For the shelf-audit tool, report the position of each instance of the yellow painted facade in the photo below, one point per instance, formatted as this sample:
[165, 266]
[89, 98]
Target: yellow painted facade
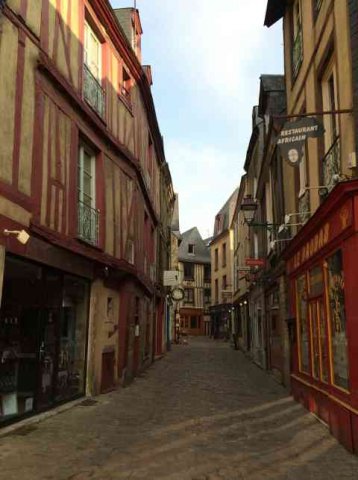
[325, 51]
[221, 269]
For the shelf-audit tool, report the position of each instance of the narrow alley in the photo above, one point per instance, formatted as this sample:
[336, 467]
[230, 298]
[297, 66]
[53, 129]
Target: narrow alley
[202, 412]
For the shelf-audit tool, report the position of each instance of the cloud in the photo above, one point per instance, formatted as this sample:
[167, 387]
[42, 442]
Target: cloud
[207, 57]
[205, 178]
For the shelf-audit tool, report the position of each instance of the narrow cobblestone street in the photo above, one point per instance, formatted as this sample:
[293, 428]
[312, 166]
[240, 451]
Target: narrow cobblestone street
[202, 412]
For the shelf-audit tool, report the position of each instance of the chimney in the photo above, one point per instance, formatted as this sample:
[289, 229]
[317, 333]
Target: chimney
[129, 20]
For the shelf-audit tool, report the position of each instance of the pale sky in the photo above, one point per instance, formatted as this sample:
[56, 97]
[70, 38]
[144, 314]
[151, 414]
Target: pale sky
[207, 57]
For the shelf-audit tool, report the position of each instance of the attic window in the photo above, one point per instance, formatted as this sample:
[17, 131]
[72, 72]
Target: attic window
[191, 248]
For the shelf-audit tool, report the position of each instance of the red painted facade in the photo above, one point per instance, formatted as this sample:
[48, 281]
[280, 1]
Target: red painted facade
[322, 268]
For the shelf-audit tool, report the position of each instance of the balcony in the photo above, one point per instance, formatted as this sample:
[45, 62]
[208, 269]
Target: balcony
[88, 223]
[93, 92]
[297, 53]
[331, 165]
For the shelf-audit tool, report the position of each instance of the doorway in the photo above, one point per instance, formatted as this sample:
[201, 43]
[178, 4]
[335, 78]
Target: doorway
[43, 332]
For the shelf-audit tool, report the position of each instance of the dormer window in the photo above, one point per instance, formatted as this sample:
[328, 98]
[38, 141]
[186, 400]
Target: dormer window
[191, 249]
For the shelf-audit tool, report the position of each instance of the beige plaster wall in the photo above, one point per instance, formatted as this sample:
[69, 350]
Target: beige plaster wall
[103, 333]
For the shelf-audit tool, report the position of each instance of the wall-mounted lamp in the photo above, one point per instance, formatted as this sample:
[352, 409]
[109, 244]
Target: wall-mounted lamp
[21, 235]
[249, 207]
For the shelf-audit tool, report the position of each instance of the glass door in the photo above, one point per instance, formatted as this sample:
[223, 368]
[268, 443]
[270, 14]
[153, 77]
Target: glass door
[319, 339]
[46, 357]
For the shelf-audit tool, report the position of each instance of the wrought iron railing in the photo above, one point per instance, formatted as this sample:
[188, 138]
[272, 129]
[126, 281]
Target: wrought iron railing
[93, 91]
[297, 53]
[331, 165]
[88, 223]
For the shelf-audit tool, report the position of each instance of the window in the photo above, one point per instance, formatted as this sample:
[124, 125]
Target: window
[218, 224]
[189, 295]
[194, 323]
[337, 317]
[92, 79]
[301, 295]
[148, 171]
[224, 282]
[216, 291]
[216, 259]
[88, 215]
[331, 165]
[207, 273]
[191, 249]
[224, 255]
[188, 271]
[207, 295]
[297, 39]
[126, 84]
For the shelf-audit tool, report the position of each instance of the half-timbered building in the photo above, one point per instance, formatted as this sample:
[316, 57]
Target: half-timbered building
[83, 173]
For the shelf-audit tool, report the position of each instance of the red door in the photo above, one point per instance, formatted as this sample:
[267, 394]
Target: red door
[136, 344]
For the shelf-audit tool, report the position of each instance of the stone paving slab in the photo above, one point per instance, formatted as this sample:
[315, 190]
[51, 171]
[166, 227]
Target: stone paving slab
[204, 412]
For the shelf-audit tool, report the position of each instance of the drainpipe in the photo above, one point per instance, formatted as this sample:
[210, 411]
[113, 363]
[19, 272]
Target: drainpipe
[353, 19]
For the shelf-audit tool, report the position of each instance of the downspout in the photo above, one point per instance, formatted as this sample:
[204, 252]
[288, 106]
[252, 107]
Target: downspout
[353, 21]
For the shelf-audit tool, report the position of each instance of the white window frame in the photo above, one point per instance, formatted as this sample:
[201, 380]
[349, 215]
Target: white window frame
[88, 54]
[80, 189]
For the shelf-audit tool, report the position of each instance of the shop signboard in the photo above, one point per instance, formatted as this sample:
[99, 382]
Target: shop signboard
[255, 262]
[172, 278]
[244, 269]
[293, 136]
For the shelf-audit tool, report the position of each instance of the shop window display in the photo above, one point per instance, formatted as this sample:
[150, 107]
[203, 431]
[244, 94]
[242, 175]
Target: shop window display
[43, 331]
[302, 322]
[337, 314]
[323, 342]
[318, 324]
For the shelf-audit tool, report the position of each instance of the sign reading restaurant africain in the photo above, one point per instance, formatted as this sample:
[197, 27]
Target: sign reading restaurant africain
[293, 136]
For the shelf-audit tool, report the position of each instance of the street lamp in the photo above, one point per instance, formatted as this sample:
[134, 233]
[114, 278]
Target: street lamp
[249, 207]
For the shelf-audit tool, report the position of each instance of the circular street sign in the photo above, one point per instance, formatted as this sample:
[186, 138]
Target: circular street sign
[177, 294]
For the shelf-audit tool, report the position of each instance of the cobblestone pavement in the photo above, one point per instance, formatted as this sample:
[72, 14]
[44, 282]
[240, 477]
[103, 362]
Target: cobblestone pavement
[204, 412]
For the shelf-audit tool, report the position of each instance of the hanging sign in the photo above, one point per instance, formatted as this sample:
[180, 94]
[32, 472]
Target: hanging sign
[172, 278]
[255, 262]
[293, 136]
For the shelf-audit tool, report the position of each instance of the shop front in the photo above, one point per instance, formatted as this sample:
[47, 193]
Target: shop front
[322, 265]
[43, 338]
